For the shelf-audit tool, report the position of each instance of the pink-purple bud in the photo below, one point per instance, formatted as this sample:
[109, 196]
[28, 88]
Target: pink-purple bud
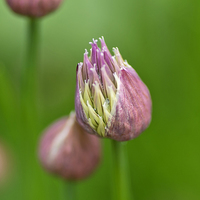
[33, 8]
[68, 151]
[111, 99]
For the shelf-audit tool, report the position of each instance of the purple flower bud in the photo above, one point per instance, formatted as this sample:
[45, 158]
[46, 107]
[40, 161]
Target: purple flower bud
[33, 8]
[111, 99]
[68, 151]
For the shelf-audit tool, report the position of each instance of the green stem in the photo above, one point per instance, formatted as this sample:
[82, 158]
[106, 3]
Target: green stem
[33, 39]
[29, 124]
[121, 185]
[30, 66]
[29, 73]
[70, 191]
[28, 105]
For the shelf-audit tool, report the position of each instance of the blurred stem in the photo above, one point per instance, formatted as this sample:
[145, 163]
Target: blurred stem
[33, 39]
[70, 190]
[29, 119]
[121, 185]
[29, 72]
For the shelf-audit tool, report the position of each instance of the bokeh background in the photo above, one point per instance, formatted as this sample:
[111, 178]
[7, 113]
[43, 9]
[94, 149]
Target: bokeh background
[161, 40]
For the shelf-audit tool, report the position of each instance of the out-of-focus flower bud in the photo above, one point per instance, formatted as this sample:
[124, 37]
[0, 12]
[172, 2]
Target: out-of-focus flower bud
[68, 151]
[111, 99]
[4, 165]
[33, 8]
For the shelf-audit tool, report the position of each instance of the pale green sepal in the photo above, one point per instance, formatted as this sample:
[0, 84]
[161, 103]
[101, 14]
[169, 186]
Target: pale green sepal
[93, 115]
[101, 127]
[106, 112]
[98, 99]
[111, 96]
[87, 93]
[85, 108]
[91, 124]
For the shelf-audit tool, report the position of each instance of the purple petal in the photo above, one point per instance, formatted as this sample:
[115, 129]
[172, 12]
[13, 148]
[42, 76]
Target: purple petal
[98, 53]
[104, 47]
[96, 79]
[87, 64]
[106, 81]
[94, 48]
[108, 60]
[104, 64]
[80, 77]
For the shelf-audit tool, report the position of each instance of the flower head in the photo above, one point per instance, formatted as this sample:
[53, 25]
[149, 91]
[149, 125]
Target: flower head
[68, 151]
[111, 99]
[36, 8]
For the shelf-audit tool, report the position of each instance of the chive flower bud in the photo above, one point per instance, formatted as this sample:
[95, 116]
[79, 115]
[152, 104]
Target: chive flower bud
[111, 99]
[68, 151]
[36, 8]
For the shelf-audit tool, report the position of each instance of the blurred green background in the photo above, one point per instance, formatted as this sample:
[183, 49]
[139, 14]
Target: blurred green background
[161, 40]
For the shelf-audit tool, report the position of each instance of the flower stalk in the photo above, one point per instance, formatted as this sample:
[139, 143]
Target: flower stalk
[28, 87]
[28, 104]
[121, 185]
[29, 69]
[70, 190]
[33, 41]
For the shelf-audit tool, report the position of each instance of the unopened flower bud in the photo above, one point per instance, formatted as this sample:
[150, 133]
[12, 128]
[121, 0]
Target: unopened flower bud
[68, 151]
[33, 8]
[111, 99]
